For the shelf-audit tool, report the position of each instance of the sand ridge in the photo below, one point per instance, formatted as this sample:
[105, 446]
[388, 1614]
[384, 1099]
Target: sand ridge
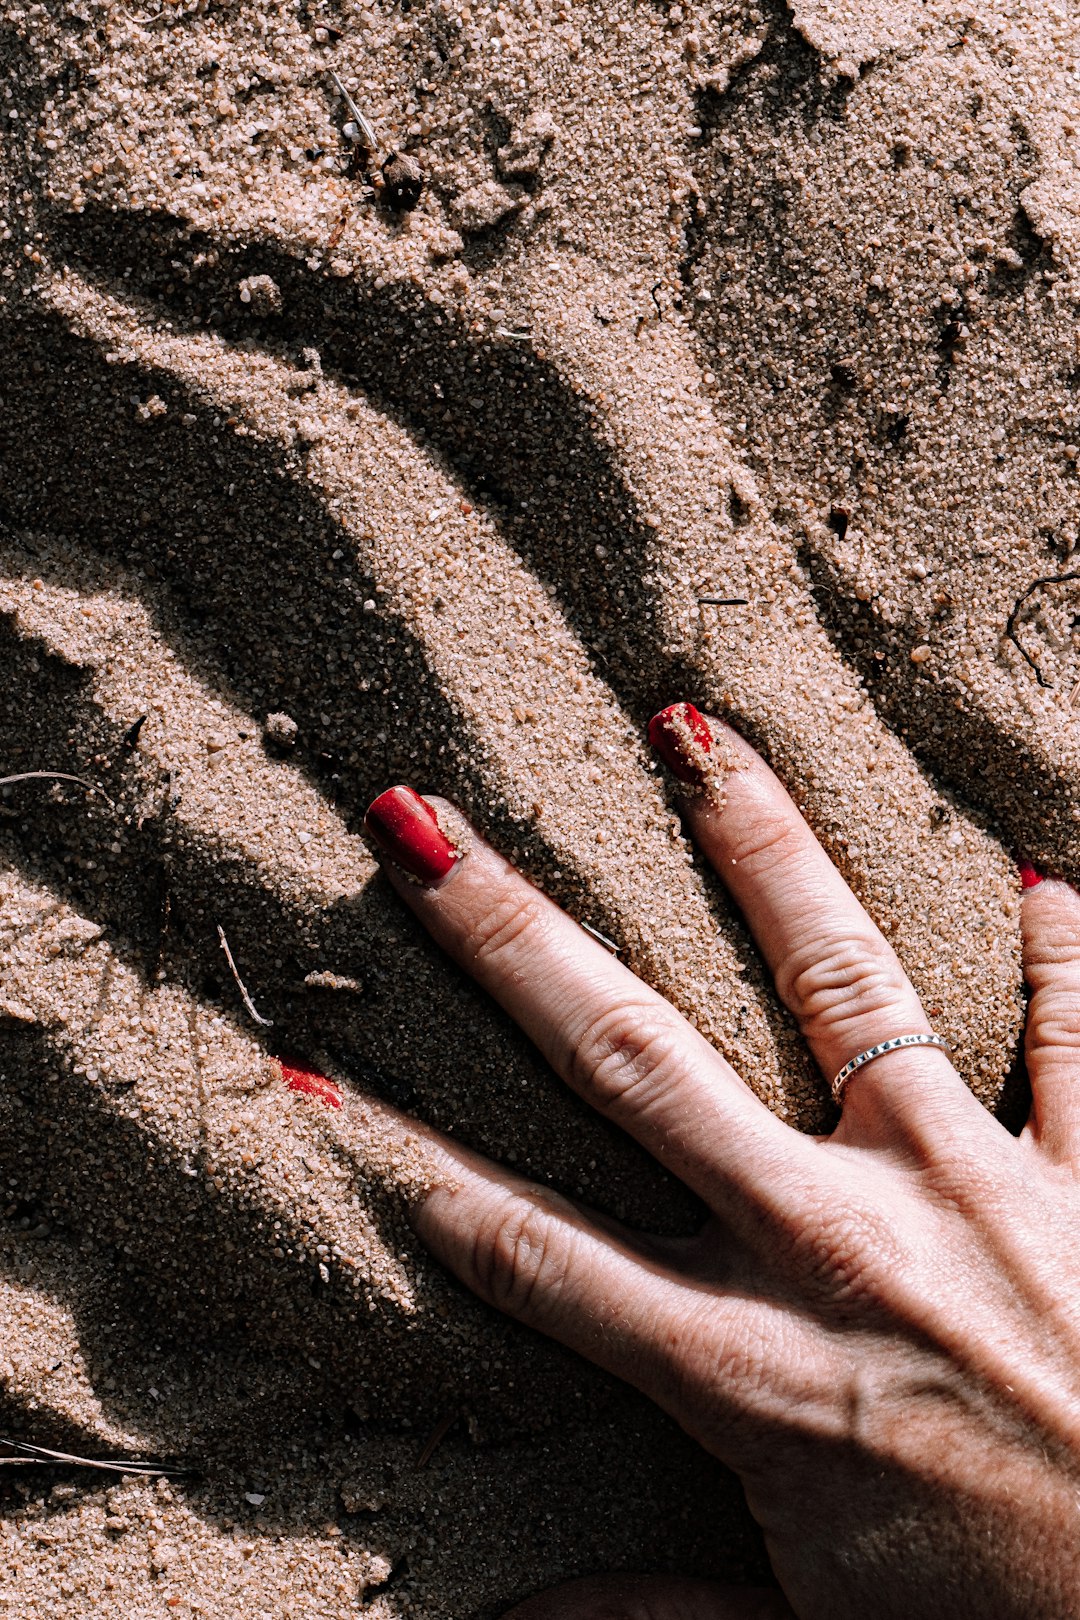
[725, 300]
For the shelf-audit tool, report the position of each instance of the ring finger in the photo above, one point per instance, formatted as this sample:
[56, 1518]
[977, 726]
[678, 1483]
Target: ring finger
[833, 967]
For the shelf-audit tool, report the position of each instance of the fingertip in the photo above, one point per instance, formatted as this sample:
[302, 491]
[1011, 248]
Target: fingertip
[1030, 876]
[682, 737]
[420, 836]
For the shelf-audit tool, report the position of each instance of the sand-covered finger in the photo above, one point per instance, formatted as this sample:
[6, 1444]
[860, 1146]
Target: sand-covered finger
[833, 967]
[618, 1043]
[1051, 935]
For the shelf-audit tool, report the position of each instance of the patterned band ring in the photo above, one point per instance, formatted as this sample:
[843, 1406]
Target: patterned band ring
[839, 1084]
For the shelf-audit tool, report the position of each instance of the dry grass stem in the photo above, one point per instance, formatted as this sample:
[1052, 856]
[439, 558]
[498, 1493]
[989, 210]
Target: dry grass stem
[27, 1455]
[364, 125]
[596, 934]
[240, 985]
[435, 1439]
[57, 776]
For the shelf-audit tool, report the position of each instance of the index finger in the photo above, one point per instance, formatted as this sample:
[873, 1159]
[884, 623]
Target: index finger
[608, 1035]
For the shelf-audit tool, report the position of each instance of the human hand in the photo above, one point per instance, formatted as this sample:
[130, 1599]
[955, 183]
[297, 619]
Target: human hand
[878, 1330]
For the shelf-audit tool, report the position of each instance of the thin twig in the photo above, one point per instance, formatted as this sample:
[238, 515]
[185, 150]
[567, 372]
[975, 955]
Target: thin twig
[364, 124]
[1010, 624]
[240, 985]
[57, 776]
[26, 1455]
[723, 601]
[596, 934]
[436, 1437]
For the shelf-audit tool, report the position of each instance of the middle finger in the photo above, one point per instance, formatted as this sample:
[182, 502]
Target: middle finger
[833, 967]
[624, 1048]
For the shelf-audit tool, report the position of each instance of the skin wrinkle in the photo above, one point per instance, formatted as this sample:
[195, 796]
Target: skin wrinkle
[827, 984]
[1054, 1023]
[883, 1347]
[932, 1325]
[632, 1047]
[501, 933]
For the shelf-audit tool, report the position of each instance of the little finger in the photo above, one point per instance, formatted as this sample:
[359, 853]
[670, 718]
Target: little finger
[534, 1255]
[1050, 931]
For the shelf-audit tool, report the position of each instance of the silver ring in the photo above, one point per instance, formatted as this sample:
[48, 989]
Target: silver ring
[839, 1083]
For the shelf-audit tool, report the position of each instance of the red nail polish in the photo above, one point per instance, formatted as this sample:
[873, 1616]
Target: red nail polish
[1029, 876]
[405, 827]
[310, 1083]
[683, 740]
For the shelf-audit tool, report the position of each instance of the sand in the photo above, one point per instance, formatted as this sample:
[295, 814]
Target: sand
[305, 491]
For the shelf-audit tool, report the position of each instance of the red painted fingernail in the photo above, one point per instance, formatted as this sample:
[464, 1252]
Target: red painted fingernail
[405, 827]
[310, 1083]
[1029, 875]
[683, 740]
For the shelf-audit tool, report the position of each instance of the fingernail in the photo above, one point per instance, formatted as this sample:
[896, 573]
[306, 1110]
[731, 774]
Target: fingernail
[684, 742]
[1029, 875]
[403, 825]
[309, 1082]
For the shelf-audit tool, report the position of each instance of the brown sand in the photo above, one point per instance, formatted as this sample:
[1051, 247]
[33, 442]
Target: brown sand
[773, 302]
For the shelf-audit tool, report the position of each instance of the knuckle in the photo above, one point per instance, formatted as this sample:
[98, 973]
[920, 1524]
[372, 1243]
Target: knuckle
[621, 1054]
[496, 939]
[517, 1257]
[1051, 928]
[768, 840]
[961, 1177]
[829, 983]
[847, 1250]
[1053, 1022]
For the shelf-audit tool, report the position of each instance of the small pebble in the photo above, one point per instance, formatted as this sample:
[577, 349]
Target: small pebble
[261, 294]
[484, 206]
[523, 154]
[281, 731]
[404, 181]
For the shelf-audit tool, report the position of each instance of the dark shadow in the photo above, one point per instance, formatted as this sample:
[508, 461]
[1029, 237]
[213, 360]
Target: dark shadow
[497, 1089]
[103, 1176]
[260, 618]
[838, 405]
[367, 1036]
[500, 417]
[944, 726]
[256, 1369]
[492, 411]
